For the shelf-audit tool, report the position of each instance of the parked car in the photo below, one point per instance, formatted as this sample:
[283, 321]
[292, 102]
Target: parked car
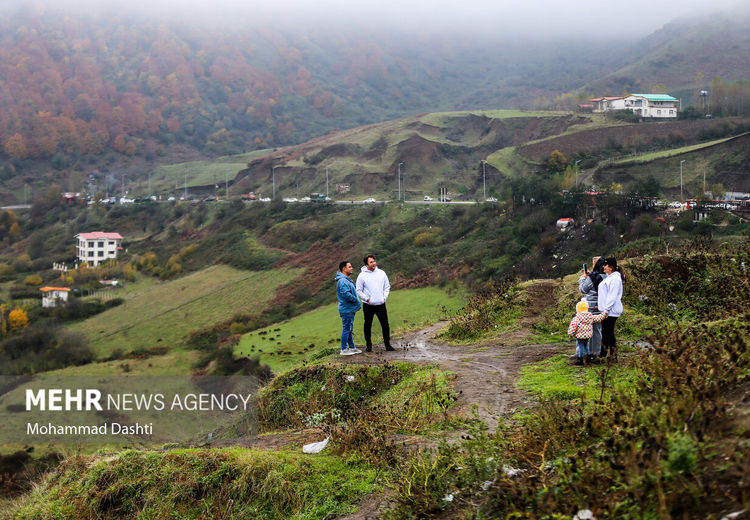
[491, 199]
[265, 199]
[369, 200]
[305, 199]
[289, 199]
[427, 198]
[675, 205]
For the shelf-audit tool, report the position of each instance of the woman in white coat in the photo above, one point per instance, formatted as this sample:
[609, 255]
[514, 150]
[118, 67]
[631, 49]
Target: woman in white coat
[610, 304]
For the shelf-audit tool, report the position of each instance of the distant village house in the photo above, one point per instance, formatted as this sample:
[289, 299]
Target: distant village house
[54, 296]
[97, 247]
[656, 106]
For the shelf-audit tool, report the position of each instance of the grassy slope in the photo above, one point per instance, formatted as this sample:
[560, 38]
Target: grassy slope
[164, 313]
[199, 173]
[665, 166]
[200, 483]
[321, 328]
[672, 152]
[419, 177]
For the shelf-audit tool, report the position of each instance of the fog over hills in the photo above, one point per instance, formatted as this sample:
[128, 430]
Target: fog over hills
[150, 80]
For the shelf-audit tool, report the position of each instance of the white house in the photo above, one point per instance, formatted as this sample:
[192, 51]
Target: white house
[54, 296]
[605, 104]
[652, 105]
[97, 247]
[645, 105]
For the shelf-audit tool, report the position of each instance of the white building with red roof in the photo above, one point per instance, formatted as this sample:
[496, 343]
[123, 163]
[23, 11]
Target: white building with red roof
[97, 247]
[54, 296]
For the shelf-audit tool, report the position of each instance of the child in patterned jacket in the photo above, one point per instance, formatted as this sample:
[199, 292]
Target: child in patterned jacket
[581, 327]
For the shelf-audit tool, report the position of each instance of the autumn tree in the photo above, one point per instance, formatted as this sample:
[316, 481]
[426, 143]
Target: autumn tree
[17, 319]
[555, 162]
[15, 146]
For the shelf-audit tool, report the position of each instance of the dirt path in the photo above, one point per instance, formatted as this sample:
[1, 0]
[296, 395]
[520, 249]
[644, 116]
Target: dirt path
[485, 374]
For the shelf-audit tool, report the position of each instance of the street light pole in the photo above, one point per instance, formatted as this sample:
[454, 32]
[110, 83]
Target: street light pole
[484, 179]
[399, 180]
[681, 197]
[273, 180]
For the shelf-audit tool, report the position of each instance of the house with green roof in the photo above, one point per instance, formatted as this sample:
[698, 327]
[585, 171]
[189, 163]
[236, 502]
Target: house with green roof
[652, 106]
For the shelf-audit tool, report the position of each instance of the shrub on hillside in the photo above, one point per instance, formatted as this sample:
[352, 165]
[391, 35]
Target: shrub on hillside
[33, 280]
[43, 346]
[700, 281]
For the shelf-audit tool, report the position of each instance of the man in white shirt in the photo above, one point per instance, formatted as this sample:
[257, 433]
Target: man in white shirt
[373, 289]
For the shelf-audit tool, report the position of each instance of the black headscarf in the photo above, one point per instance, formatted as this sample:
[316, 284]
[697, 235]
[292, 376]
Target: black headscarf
[597, 273]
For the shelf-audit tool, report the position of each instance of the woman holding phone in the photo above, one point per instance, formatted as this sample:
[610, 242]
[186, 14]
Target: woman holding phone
[588, 284]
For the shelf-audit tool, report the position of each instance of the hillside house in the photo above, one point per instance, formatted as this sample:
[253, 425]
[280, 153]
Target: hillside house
[54, 296]
[606, 104]
[652, 105]
[656, 106]
[97, 247]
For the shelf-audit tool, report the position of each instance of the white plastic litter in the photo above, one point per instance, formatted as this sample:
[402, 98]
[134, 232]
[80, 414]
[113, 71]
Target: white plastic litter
[584, 514]
[736, 514]
[349, 378]
[315, 447]
[448, 497]
[511, 472]
[486, 484]
[323, 388]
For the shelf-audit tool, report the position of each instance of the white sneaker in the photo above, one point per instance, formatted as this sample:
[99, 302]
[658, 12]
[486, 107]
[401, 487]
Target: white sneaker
[346, 352]
[355, 351]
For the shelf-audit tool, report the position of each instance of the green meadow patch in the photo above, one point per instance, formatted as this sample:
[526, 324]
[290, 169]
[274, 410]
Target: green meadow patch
[396, 397]
[317, 333]
[165, 313]
[200, 173]
[200, 483]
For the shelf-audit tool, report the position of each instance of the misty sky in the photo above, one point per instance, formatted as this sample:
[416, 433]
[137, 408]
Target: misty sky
[528, 17]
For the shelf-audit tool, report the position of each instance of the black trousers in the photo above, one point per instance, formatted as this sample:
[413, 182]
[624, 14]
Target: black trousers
[382, 313]
[609, 342]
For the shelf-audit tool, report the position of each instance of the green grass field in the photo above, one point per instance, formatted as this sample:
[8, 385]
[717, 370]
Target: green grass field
[306, 337]
[163, 314]
[173, 177]
[671, 153]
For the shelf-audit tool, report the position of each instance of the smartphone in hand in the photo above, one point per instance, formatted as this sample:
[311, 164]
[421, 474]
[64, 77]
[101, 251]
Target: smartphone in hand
[585, 269]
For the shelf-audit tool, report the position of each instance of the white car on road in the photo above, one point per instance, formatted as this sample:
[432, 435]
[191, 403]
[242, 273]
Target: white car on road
[427, 198]
[491, 199]
[369, 201]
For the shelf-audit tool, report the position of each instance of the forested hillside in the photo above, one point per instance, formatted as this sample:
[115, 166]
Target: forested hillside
[76, 85]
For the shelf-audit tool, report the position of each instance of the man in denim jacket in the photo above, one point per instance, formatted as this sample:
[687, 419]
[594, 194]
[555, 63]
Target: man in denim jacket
[346, 292]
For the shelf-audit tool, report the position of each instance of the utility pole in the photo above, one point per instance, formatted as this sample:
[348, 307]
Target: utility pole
[399, 180]
[681, 197]
[273, 180]
[484, 180]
